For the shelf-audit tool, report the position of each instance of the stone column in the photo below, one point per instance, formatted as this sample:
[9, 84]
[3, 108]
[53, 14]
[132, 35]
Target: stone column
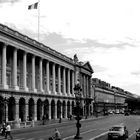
[84, 86]
[6, 112]
[73, 83]
[64, 81]
[4, 78]
[17, 125]
[71, 108]
[17, 112]
[48, 77]
[15, 69]
[33, 74]
[61, 111]
[87, 86]
[68, 82]
[49, 112]
[53, 85]
[59, 80]
[66, 111]
[90, 86]
[35, 112]
[40, 68]
[55, 115]
[25, 71]
[26, 111]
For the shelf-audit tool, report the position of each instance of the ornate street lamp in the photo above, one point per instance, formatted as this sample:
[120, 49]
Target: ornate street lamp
[115, 105]
[77, 91]
[5, 101]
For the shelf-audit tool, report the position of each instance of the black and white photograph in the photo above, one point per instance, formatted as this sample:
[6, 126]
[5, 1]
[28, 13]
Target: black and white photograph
[69, 69]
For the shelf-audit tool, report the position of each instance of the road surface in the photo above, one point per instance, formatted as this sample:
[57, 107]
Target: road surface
[92, 129]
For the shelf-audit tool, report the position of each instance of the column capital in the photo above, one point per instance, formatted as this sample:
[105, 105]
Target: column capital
[5, 44]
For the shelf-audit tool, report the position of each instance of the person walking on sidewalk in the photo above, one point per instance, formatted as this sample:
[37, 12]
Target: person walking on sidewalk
[8, 131]
[3, 129]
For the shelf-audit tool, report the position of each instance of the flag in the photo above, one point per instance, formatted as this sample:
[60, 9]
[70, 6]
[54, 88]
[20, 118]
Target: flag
[33, 6]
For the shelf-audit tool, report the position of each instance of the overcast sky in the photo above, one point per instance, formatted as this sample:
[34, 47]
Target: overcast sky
[104, 32]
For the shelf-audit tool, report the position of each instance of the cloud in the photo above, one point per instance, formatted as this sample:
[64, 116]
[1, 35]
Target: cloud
[136, 73]
[99, 43]
[132, 87]
[9, 1]
[99, 68]
[101, 34]
[58, 41]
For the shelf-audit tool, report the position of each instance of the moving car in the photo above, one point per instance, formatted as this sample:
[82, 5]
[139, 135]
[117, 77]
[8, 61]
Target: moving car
[118, 132]
[138, 134]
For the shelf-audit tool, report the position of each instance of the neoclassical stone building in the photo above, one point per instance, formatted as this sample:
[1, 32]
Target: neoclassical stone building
[36, 80]
[107, 97]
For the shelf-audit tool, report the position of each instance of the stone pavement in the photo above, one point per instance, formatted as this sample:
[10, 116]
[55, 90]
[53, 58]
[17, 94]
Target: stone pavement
[51, 123]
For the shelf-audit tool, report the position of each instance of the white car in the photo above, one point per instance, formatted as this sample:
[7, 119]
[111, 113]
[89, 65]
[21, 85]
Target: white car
[118, 132]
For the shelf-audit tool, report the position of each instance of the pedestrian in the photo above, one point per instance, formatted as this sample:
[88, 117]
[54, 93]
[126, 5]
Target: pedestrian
[70, 117]
[60, 119]
[8, 131]
[3, 129]
[44, 119]
[57, 135]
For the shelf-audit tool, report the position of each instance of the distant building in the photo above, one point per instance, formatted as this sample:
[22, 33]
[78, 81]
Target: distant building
[107, 97]
[36, 80]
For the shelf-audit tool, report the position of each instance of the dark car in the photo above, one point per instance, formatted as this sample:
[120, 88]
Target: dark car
[126, 113]
[138, 134]
[118, 132]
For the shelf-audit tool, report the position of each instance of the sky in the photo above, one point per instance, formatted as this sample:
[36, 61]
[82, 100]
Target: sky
[104, 32]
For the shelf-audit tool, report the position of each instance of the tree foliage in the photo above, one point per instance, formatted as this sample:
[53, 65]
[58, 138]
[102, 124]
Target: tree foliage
[133, 103]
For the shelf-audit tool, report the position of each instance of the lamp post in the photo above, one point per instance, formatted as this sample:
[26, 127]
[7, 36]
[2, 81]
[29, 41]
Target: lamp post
[105, 110]
[115, 106]
[86, 111]
[5, 102]
[77, 91]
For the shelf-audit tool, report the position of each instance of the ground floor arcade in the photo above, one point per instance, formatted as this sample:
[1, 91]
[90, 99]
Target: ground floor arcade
[26, 107]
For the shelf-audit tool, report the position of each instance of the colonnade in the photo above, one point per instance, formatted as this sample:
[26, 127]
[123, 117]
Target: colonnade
[28, 72]
[27, 109]
[48, 71]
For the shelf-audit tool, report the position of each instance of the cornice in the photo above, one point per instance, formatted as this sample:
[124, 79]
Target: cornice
[16, 35]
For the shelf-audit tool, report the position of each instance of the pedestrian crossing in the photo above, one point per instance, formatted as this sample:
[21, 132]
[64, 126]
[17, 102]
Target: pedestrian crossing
[17, 138]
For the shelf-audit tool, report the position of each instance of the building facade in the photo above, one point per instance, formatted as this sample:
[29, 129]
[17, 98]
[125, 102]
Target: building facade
[36, 80]
[107, 97]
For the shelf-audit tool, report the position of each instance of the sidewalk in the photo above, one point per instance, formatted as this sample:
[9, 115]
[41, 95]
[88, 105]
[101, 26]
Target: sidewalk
[51, 123]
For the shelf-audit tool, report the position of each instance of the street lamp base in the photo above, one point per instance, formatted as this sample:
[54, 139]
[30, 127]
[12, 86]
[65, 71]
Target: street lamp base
[77, 137]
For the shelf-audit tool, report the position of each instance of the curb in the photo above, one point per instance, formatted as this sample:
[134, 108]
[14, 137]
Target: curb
[38, 127]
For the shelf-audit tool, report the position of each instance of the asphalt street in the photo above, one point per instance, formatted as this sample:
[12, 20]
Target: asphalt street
[92, 129]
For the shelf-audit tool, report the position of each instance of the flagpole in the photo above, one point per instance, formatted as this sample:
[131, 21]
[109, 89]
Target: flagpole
[38, 20]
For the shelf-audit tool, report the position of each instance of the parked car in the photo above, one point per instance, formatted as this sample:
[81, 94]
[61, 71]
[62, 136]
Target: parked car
[126, 113]
[117, 111]
[110, 111]
[118, 132]
[136, 112]
[121, 111]
[138, 134]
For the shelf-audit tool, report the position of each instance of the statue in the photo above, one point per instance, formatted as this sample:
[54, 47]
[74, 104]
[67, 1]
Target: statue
[75, 58]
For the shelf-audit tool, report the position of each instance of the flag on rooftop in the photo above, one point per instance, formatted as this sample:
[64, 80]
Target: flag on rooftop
[33, 6]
